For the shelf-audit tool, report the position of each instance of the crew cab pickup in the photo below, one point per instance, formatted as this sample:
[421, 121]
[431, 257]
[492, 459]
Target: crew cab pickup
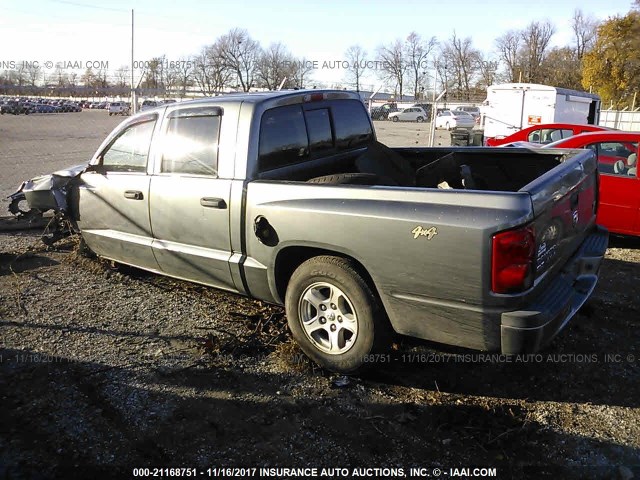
[287, 197]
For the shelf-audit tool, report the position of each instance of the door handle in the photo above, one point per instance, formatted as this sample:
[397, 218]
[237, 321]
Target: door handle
[212, 202]
[133, 195]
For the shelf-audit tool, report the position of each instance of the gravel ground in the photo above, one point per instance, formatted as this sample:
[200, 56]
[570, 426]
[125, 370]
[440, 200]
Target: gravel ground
[104, 368]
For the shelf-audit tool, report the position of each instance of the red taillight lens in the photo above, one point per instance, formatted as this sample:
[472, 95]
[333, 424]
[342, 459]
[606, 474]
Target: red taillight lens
[513, 254]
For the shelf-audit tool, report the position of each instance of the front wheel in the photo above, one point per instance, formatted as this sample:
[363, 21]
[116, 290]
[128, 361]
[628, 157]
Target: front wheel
[395, 119]
[334, 315]
[419, 119]
[447, 126]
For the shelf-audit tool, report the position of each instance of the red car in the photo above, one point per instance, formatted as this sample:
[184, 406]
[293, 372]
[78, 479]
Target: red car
[617, 154]
[544, 134]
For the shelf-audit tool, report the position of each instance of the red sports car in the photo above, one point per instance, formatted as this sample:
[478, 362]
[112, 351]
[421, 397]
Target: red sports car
[544, 134]
[617, 154]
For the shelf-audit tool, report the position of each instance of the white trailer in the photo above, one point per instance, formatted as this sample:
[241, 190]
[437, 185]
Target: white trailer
[510, 107]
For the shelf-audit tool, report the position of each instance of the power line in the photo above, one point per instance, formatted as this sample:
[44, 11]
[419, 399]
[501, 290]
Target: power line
[96, 7]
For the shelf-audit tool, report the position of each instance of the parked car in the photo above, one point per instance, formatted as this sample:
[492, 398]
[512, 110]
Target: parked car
[411, 114]
[149, 104]
[448, 119]
[382, 112]
[119, 108]
[427, 107]
[46, 108]
[544, 134]
[493, 249]
[617, 154]
[473, 111]
[16, 108]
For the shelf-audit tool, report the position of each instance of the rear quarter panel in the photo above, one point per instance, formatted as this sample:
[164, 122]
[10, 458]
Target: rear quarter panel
[447, 270]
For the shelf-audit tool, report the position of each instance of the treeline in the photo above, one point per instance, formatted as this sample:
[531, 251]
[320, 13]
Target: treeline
[603, 57]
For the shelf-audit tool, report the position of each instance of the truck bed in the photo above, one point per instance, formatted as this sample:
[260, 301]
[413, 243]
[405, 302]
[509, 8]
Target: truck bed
[384, 225]
[500, 170]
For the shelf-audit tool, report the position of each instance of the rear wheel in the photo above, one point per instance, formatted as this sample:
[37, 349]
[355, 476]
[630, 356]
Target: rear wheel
[334, 315]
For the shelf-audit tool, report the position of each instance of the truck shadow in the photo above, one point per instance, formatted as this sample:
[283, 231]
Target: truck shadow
[620, 241]
[120, 415]
[12, 264]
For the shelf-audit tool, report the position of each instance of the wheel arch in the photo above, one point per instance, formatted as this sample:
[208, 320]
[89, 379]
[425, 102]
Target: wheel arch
[290, 258]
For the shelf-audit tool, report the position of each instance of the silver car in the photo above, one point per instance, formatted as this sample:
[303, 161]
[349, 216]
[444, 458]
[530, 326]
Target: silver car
[454, 119]
[411, 114]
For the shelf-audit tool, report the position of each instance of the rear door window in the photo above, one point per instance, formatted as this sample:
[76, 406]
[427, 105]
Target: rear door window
[191, 141]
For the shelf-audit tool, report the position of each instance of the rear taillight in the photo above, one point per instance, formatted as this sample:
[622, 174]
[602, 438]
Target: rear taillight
[512, 260]
[314, 97]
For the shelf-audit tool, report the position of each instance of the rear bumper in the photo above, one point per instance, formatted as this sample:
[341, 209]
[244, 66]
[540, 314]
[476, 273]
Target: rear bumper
[527, 330]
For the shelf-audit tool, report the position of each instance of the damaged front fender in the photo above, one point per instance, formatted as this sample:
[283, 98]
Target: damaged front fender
[48, 192]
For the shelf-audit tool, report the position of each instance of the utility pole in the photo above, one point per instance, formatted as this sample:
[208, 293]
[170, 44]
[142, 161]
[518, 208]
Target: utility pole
[134, 103]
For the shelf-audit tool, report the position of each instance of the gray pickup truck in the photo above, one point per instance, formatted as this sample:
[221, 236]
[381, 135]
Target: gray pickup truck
[287, 197]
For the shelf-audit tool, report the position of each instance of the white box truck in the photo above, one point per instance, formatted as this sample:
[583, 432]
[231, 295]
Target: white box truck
[510, 107]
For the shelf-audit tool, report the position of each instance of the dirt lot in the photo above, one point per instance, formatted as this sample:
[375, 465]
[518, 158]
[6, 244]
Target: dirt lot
[105, 368]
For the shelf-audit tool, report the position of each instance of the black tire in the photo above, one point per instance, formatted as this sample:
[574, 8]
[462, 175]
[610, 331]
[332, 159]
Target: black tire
[395, 119]
[419, 119]
[338, 280]
[347, 178]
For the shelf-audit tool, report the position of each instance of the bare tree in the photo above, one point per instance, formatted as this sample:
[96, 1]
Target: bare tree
[487, 68]
[88, 78]
[122, 75]
[184, 71]
[302, 69]
[460, 60]
[240, 53]
[33, 72]
[276, 65]
[585, 29]
[73, 79]
[561, 68]
[153, 74]
[357, 58]
[393, 65]
[508, 46]
[210, 71]
[537, 36]
[416, 53]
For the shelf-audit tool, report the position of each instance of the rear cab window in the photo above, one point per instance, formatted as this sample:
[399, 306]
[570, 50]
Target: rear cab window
[293, 134]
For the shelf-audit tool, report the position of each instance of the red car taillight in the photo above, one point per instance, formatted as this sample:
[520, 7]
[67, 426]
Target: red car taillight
[512, 260]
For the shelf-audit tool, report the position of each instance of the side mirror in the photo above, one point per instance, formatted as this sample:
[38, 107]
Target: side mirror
[98, 168]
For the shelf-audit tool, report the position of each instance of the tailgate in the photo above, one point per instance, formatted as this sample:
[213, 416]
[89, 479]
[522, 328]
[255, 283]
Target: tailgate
[564, 204]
